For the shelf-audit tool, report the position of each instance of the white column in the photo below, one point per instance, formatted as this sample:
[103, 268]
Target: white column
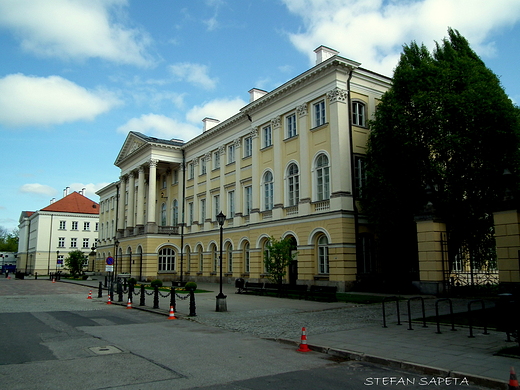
[304, 207]
[152, 189]
[121, 204]
[131, 200]
[255, 174]
[140, 197]
[277, 168]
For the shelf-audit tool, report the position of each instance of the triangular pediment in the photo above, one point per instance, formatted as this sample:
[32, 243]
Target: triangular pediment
[134, 141]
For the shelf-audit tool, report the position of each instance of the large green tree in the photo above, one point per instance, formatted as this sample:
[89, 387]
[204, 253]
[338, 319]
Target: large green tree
[277, 257]
[75, 262]
[8, 240]
[445, 139]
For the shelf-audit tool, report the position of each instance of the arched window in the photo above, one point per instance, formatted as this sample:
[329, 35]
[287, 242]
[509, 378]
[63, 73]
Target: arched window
[214, 257]
[323, 255]
[293, 184]
[358, 114]
[175, 213]
[167, 259]
[229, 255]
[268, 186]
[163, 215]
[188, 258]
[247, 258]
[201, 258]
[322, 177]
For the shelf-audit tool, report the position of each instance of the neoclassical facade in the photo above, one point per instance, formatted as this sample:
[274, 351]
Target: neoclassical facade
[289, 164]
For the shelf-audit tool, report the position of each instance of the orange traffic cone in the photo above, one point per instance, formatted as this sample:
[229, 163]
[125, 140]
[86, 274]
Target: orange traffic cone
[172, 314]
[129, 304]
[89, 295]
[53, 280]
[303, 345]
[109, 300]
[513, 382]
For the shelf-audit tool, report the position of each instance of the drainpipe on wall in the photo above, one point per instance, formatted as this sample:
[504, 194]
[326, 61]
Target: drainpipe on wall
[183, 204]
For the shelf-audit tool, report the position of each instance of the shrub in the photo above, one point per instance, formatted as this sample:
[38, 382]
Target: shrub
[190, 286]
[156, 282]
[132, 281]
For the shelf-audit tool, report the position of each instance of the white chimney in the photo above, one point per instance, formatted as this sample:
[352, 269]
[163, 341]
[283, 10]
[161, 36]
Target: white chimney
[83, 191]
[256, 93]
[53, 200]
[209, 123]
[323, 53]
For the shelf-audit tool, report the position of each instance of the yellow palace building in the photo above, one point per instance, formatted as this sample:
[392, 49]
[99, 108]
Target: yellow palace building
[289, 164]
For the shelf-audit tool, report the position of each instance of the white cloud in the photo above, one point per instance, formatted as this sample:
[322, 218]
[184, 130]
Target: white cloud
[38, 189]
[75, 29]
[161, 126]
[195, 74]
[220, 109]
[90, 188]
[29, 100]
[374, 31]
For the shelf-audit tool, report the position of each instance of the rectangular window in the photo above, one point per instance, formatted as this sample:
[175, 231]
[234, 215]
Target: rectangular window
[319, 113]
[190, 213]
[75, 225]
[231, 204]
[86, 226]
[203, 166]
[191, 171]
[202, 210]
[97, 226]
[248, 147]
[359, 175]
[73, 242]
[267, 136]
[231, 153]
[85, 243]
[61, 242]
[175, 176]
[291, 125]
[358, 113]
[248, 200]
[216, 202]
[59, 261]
[216, 159]
[63, 225]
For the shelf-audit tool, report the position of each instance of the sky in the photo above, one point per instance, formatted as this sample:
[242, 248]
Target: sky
[76, 76]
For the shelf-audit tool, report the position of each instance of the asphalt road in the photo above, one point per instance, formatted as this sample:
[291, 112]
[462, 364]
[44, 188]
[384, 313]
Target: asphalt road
[52, 337]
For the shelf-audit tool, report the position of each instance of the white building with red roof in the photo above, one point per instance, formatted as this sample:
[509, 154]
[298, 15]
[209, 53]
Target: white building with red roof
[47, 236]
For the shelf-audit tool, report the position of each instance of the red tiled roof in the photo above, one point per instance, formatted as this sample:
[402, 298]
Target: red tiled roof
[74, 203]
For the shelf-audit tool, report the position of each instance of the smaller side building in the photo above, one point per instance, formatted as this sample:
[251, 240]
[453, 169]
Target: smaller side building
[47, 236]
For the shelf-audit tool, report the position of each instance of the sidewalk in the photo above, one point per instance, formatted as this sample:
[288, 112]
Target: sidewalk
[350, 331]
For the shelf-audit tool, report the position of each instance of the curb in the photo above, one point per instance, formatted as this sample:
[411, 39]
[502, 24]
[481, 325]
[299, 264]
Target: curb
[401, 364]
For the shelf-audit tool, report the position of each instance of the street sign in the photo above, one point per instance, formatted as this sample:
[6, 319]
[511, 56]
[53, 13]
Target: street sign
[109, 268]
[110, 261]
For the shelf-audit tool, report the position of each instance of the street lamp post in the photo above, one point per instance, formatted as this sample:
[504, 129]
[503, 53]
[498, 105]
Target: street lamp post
[221, 298]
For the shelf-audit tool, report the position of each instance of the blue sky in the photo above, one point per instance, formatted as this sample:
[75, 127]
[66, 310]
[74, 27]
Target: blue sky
[76, 76]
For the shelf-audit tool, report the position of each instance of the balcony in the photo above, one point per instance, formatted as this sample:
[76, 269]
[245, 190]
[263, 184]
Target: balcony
[168, 230]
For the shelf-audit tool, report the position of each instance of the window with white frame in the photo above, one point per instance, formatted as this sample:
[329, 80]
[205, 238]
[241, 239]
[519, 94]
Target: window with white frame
[293, 184]
[203, 165]
[175, 213]
[248, 200]
[323, 255]
[86, 226]
[201, 258]
[191, 171]
[248, 147]
[322, 177]
[290, 121]
[319, 113]
[268, 185]
[231, 204]
[202, 210]
[73, 242]
[63, 225]
[190, 213]
[214, 258]
[216, 203]
[229, 255]
[166, 259]
[216, 159]
[359, 175]
[247, 258]
[267, 136]
[61, 242]
[85, 243]
[231, 153]
[358, 113]
[175, 176]
[97, 226]
[163, 214]
[74, 225]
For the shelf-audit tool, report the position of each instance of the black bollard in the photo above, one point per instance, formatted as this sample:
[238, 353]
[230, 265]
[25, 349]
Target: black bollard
[119, 291]
[100, 290]
[143, 296]
[192, 304]
[156, 297]
[172, 299]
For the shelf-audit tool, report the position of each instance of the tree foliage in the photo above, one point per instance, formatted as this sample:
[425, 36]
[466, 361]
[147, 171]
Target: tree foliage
[75, 262]
[443, 137]
[277, 257]
[8, 240]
